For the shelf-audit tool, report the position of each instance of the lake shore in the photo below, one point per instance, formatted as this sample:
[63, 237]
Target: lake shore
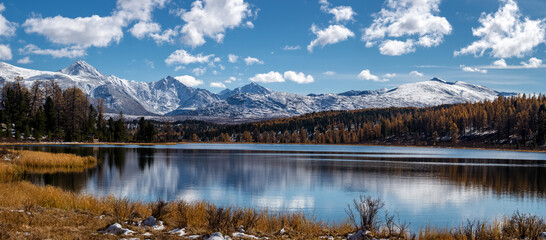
[31, 211]
[509, 148]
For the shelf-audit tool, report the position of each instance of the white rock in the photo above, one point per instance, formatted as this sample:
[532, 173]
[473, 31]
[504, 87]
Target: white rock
[178, 231]
[216, 236]
[117, 229]
[244, 235]
[357, 236]
[543, 235]
[241, 229]
[193, 236]
[282, 231]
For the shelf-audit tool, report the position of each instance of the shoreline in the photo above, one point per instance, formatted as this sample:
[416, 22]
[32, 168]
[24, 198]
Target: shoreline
[543, 150]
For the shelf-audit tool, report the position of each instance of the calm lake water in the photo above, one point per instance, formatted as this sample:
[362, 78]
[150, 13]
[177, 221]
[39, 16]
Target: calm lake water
[423, 185]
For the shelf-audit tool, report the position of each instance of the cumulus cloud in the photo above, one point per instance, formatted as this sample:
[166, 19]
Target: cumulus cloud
[341, 13]
[97, 31]
[506, 33]
[189, 80]
[68, 52]
[291, 48]
[367, 75]
[330, 35]
[199, 71]
[217, 85]
[230, 80]
[251, 61]
[7, 28]
[299, 78]
[211, 18]
[416, 73]
[232, 58]
[270, 77]
[167, 36]
[329, 73]
[5, 52]
[414, 20]
[532, 63]
[183, 57]
[500, 63]
[25, 60]
[396, 48]
[473, 69]
[389, 75]
[142, 29]
[81, 31]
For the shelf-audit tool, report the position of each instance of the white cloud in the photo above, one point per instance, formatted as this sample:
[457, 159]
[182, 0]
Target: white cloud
[7, 28]
[473, 69]
[167, 36]
[189, 80]
[329, 73]
[199, 71]
[149, 63]
[416, 73]
[230, 80]
[141, 29]
[396, 48]
[532, 63]
[389, 75]
[414, 20]
[500, 63]
[183, 57]
[299, 78]
[178, 68]
[5, 52]
[506, 33]
[232, 58]
[25, 60]
[331, 35]
[291, 48]
[250, 61]
[211, 18]
[217, 59]
[342, 13]
[68, 52]
[270, 77]
[97, 31]
[81, 31]
[217, 85]
[141, 10]
[367, 75]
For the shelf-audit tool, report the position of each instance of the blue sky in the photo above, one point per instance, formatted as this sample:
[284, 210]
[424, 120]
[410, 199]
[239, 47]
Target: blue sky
[302, 46]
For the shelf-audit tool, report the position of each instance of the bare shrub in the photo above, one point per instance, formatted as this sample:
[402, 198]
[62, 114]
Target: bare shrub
[523, 226]
[365, 212]
[159, 209]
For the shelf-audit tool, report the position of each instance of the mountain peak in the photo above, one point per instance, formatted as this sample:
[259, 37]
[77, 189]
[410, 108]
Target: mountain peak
[82, 68]
[438, 80]
[253, 88]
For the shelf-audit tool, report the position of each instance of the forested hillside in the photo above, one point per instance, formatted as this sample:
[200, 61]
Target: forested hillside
[517, 121]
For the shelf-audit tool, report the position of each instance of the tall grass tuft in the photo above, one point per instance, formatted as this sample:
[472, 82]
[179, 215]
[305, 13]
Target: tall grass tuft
[33, 159]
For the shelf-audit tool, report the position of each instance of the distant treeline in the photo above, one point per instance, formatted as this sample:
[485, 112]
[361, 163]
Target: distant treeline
[517, 121]
[45, 112]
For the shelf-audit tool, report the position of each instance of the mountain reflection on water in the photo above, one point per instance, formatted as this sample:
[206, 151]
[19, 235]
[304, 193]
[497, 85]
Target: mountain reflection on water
[421, 188]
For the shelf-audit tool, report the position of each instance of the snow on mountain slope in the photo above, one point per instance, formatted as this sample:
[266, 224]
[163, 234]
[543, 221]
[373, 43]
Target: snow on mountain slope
[169, 96]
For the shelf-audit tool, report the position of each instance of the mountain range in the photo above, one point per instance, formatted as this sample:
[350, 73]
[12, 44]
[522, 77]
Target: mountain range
[170, 97]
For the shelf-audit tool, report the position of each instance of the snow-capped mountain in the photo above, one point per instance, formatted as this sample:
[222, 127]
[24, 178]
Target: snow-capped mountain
[170, 96]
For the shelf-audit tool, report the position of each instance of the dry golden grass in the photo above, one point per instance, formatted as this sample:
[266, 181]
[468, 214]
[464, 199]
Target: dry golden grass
[10, 172]
[34, 159]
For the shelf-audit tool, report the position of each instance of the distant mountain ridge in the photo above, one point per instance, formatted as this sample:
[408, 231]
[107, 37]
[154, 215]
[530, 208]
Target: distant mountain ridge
[170, 97]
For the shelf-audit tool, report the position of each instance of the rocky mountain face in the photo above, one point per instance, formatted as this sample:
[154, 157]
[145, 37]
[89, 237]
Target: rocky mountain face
[170, 97]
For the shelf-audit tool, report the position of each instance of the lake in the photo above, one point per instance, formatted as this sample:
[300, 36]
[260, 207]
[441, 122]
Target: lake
[432, 186]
